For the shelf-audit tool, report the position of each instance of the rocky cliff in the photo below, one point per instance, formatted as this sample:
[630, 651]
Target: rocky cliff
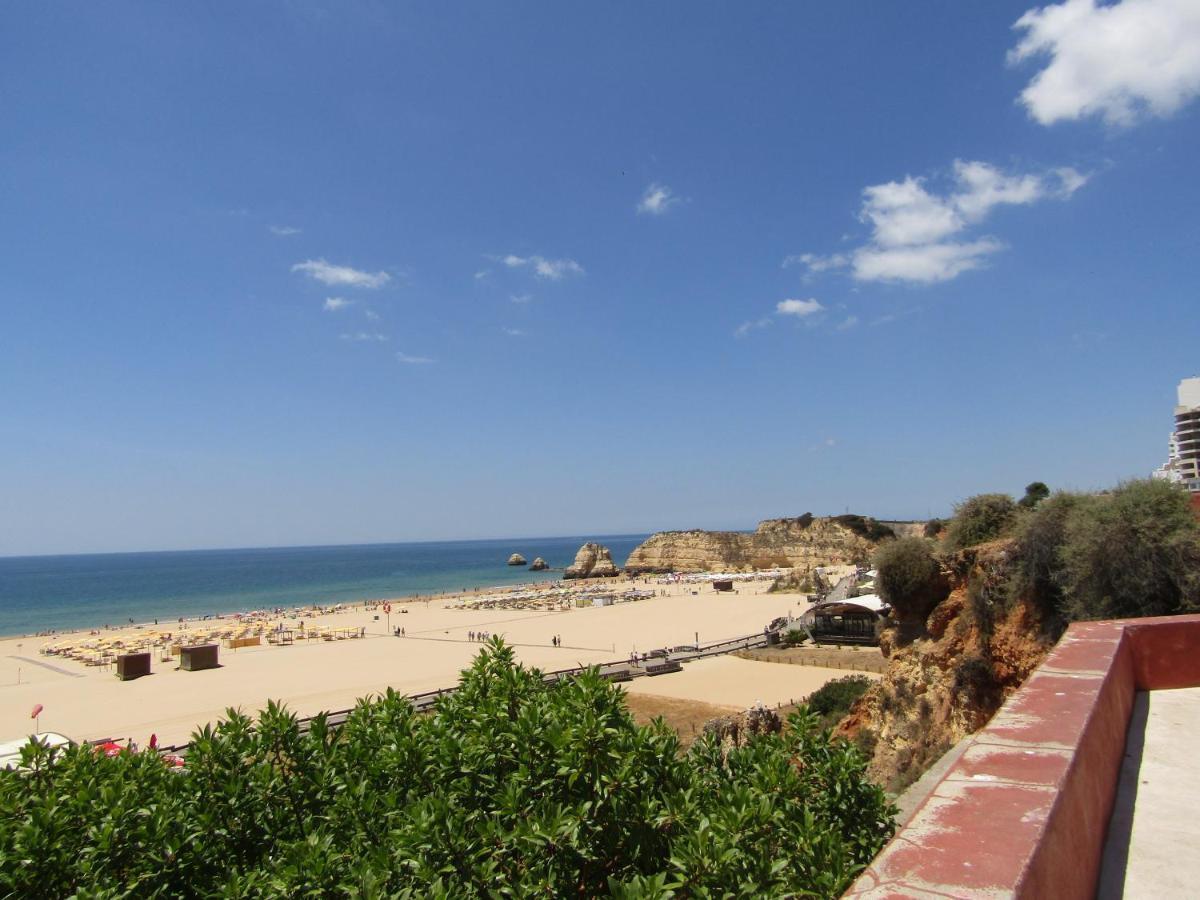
[946, 679]
[592, 561]
[802, 542]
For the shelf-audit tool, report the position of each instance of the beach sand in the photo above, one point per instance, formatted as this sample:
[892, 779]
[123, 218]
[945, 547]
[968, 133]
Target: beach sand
[88, 703]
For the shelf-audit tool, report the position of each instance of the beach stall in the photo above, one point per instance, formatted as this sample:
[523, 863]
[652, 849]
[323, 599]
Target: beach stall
[195, 658]
[133, 665]
[723, 584]
[853, 621]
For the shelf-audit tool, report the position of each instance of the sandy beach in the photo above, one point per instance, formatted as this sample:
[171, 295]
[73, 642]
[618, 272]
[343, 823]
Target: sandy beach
[89, 702]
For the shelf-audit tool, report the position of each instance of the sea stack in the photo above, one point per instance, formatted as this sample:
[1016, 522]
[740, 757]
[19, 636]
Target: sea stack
[516, 560]
[592, 561]
[539, 565]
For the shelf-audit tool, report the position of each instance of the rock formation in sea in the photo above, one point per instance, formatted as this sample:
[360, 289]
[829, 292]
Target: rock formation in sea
[802, 542]
[516, 560]
[539, 565]
[592, 561]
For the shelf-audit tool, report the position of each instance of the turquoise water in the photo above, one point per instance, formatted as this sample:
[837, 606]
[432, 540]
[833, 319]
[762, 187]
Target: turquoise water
[38, 593]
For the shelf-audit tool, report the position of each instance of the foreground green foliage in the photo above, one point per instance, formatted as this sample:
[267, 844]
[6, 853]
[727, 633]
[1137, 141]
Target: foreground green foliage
[511, 788]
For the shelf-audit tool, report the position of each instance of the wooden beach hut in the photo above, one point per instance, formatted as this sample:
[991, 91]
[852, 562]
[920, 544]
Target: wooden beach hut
[196, 658]
[133, 665]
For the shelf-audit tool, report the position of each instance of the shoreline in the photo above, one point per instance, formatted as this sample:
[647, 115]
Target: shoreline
[353, 651]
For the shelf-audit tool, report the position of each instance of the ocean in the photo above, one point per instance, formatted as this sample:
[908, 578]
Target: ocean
[39, 593]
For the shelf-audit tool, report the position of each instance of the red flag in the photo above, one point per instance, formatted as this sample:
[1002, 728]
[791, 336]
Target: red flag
[37, 711]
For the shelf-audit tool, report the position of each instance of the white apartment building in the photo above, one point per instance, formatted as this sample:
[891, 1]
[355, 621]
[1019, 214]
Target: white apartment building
[1183, 454]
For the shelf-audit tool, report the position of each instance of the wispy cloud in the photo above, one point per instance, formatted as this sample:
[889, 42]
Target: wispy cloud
[847, 323]
[482, 274]
[551, 269]
[815, 263]
[656, 200]
[753, 325]
[520, 298]
[283, 230]
[333, 304]
[799, 308]
[410, 360]
[341, 276]
[371, 315]
[919, 235]
[1121, 61]
[514, 332]
[366, 336]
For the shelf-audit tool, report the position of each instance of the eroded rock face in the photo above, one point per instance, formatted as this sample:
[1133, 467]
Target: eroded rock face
[975, 648]
[539, 565]
[592, 561]
[736, 730]
[802, 542]
[516, 560]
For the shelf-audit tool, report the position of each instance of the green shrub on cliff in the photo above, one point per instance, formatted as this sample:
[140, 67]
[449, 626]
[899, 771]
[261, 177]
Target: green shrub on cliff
[980, 518]
[909, 578]
[511, 787]
[1132, 552]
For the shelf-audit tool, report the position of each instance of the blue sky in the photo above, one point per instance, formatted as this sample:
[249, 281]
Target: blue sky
[293, 273]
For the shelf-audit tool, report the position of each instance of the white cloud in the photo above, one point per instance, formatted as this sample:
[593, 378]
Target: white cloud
[520, 298]
[1070, 180]
[919, 234]
[847, 323]
[514, 332]
[799, 308]
[370, 336]
[923, 263]
[553, 269]
[341, 276]
[409, 360]
[283, 230]
[1122, 61]
[482, 274]
[746, 327]
[372, 316]
[333, 304]
[656, 200]
[815, 263]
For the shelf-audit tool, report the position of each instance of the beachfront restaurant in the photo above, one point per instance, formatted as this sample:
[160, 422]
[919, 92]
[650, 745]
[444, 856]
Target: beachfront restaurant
[856, 620]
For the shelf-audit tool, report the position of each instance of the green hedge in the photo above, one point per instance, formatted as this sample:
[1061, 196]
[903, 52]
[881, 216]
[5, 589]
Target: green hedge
[509, 788]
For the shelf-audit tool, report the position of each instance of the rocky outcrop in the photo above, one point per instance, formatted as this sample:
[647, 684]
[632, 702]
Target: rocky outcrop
[803, 543]
[539, 565]
[945, 681]
[592, 561]
[516, 560]
[736, 730]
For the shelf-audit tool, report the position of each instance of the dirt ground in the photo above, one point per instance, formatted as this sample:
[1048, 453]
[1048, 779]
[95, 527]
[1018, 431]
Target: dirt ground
[685, 717]
[860, 659]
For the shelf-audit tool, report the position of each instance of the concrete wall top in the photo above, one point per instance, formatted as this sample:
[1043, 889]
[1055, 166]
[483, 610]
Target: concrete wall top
[1025, 810]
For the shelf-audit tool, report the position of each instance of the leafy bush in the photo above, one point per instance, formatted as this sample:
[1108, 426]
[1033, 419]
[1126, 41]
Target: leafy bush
[934, 527]
[1134, 552]
[980, 518]
[833, 699]
[510, 787]
[909, 578]
[1035, 493]
[794, 637]
[865, 527]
